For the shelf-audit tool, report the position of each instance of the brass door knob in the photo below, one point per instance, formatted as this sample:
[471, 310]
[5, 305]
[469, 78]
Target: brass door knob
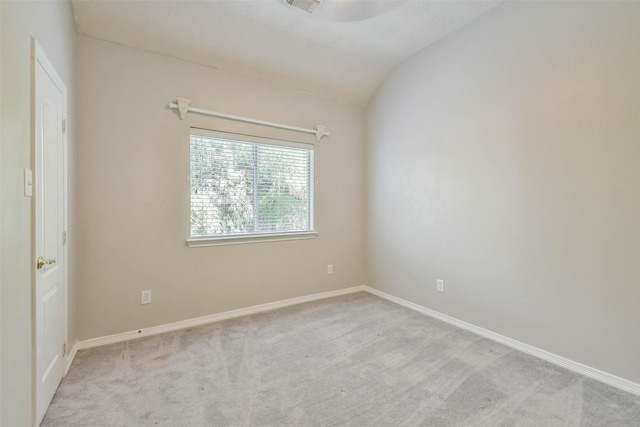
[41, 262]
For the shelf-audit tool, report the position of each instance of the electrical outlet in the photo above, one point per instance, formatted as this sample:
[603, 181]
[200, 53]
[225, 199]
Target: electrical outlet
[440, 285]
[145, 297]
[330, 269]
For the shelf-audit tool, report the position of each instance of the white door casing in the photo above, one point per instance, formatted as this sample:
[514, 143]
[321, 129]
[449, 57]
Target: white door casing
[49, 302]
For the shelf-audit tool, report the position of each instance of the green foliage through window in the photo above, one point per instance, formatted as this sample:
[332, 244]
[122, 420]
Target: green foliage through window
[248, 188]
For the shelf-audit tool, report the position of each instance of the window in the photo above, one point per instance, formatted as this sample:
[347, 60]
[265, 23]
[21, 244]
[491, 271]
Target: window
[249, 187]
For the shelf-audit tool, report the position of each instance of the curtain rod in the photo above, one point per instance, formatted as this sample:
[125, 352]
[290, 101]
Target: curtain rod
[182, 105]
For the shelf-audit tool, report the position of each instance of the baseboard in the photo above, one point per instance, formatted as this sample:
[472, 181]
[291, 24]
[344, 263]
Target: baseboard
[190, 323]
[577, 367]
[71, 355]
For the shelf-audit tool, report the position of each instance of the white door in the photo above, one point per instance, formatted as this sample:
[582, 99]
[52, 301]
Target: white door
[49, 186]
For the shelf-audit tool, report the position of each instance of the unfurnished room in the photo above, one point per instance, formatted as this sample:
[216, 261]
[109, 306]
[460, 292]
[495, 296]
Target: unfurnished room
[319, 213]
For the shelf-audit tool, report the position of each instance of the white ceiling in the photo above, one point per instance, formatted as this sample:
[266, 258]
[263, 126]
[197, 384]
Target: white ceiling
[271, 41]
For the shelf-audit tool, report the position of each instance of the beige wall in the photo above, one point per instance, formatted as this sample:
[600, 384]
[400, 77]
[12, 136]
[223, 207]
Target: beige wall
[133, 194]
[51, 24]
[504, 160]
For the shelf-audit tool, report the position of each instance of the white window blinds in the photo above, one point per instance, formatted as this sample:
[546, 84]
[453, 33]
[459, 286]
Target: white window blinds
[242, 186]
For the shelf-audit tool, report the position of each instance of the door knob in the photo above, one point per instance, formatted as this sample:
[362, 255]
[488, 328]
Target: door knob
[41, 262]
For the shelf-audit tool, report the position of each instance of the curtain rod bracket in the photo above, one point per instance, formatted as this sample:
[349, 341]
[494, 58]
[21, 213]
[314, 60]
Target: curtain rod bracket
[320, 132]
[183, 107]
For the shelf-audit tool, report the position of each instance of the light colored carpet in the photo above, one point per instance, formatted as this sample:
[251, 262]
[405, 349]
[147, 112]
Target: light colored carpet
[353, 360]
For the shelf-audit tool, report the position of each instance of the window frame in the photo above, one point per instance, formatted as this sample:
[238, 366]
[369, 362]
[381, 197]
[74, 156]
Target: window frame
[212, 240]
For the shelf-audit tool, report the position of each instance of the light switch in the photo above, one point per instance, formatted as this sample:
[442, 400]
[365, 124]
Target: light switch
[28, 183]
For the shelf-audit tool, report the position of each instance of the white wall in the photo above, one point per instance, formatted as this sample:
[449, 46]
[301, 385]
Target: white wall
[504, 160]
[133, 194]
[51, 23]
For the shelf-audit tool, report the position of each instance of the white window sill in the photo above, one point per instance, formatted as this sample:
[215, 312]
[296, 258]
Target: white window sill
[198, 242]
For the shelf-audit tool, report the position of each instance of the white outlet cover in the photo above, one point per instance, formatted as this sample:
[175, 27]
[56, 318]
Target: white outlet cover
[440, 285]
[145, 297]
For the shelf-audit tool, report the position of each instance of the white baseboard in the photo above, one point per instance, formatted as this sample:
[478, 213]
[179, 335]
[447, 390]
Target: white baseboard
[189, 323]
[585, 370]
[71, 356]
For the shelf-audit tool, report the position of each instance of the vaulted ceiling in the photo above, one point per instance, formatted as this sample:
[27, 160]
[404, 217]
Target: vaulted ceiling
[343, 50]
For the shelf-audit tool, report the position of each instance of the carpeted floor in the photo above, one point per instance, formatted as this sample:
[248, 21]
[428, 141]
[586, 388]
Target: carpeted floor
[354, 360]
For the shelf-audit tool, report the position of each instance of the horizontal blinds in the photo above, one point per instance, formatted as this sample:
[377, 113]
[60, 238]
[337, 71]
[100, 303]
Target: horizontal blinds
[241, 187]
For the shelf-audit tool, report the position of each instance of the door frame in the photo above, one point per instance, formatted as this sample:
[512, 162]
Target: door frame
[38, 56]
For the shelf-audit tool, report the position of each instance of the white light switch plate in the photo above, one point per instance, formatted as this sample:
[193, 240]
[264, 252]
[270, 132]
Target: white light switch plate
[28, 183]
